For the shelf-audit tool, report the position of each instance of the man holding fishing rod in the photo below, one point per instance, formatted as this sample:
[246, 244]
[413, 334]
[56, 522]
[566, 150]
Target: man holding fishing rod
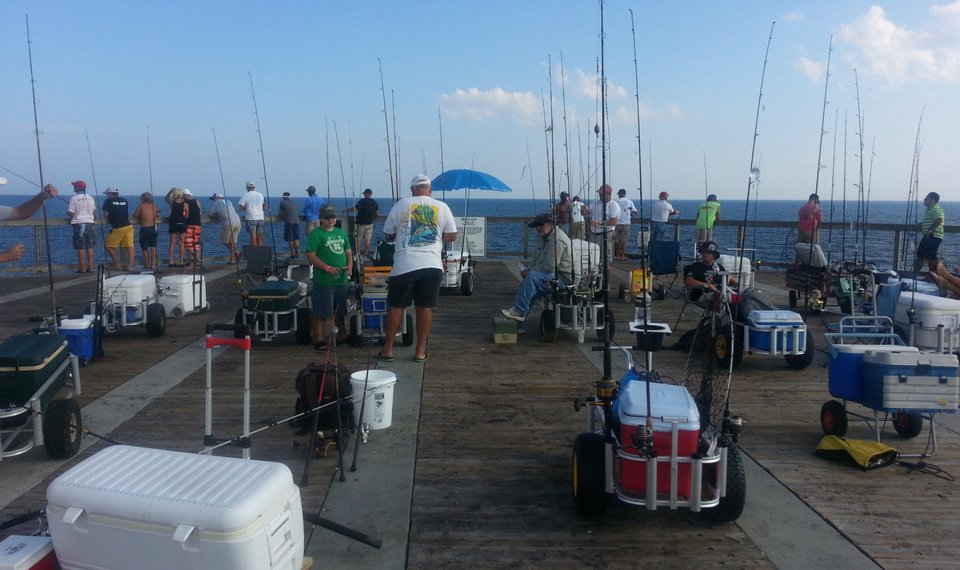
[932, 229]
[552, 260]
[22, 212]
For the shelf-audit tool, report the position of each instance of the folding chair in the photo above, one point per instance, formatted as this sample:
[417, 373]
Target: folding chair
[664, 260]
[260, 263]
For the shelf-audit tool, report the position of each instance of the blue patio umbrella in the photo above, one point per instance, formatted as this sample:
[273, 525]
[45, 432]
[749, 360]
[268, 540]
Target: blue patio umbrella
[464, 179]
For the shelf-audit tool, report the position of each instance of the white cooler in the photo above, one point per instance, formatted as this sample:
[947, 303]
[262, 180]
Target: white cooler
[932, 312]
[452, 266]
[129, 289]
[738, 266]
[131, 507]
[181, 295]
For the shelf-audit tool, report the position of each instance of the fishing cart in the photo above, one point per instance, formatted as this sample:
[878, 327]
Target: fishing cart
[580, 307]
[368, 316]
[131, 299]
[871, 366]
[276, 307]
[34, 368]
[458, 273]
[760, 328]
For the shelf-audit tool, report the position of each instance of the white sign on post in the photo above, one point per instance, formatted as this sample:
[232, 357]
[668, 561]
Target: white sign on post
[474, 230]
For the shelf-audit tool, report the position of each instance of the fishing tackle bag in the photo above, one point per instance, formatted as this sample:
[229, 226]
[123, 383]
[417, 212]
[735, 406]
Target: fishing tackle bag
[308, 384]
[862, 453]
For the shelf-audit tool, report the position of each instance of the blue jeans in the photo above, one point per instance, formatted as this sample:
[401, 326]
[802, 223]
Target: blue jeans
[535, 285]
[659, 231]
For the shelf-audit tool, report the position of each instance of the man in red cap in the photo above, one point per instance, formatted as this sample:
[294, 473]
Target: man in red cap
[660, 214]
[81, 211]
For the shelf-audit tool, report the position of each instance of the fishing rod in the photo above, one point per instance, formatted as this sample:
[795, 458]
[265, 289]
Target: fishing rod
[263, 163]
[553, 144]
[343, 179]
[43, 205]
[326, 135]
[443, 180]
[394, 190]
[229, 208]
[861, 205]
[96, 210]
[396, 141]
[820, 165]
[150, 161]
[913, 188]
[353, 182]
[833, 185]
[546, 147]
[216, 146]
[566, 135]
[25, 179]
[843, 231]
[643, 251]
[605, 197]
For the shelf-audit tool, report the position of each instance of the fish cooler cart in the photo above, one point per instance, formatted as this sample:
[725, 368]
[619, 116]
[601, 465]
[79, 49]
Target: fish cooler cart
[869, 365]
[34, 368]
[580, 307]
[368, 317]
[458, 274]
[760, 328]
[130, 300]
[277, 307]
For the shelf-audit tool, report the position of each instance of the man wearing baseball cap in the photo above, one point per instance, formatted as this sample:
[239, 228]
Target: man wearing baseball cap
[254, 204]
[367, 211]
[552, 260]
[117, 212]
[328, 251]
[291, 224]
[81, 211]
[660, 214]
[311, 209]
[224, 213]
[418, 226]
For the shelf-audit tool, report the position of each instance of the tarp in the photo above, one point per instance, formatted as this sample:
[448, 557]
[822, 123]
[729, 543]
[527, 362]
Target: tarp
[865, 454]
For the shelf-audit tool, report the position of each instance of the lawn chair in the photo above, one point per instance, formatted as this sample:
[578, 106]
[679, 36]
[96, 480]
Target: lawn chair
[664, 260]
[260, 264]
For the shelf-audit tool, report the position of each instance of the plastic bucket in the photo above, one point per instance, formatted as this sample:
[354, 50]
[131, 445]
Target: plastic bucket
[377, 402]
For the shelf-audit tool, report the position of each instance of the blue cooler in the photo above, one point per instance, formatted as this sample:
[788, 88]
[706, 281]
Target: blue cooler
[776, 329]
[845, 372]
[374, 310]
[917, 381]
[79, 333]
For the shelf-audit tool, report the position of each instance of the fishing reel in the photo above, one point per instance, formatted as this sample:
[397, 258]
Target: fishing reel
[732, 426]
[643, 439]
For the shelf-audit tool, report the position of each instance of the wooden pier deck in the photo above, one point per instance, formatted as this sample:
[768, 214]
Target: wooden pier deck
[491, 486]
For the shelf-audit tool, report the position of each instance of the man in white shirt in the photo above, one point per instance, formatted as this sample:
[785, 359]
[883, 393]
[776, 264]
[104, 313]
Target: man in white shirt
[22, 212]
[659, 216]
[81, 211]
[418, 226]
[621, 234]
[254, 205]
[604, 213]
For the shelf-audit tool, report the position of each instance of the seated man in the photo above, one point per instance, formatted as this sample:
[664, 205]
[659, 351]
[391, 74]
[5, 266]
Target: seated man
[702, 277]
[552, 260]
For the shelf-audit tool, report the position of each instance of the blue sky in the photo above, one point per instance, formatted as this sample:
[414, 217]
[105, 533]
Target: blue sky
[109, 69]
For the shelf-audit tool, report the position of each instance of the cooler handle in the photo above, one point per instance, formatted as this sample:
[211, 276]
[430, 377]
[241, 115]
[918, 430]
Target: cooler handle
[72, 514]
[183, 532]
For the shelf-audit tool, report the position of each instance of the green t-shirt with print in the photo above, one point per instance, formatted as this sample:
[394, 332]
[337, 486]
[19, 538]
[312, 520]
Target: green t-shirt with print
[331, 247]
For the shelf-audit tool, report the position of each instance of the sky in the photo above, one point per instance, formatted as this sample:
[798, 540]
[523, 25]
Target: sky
[145, 95]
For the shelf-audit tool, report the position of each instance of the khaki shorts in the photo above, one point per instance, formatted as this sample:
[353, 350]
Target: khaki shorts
[120, 237]
[229, 234]
[364, 232]
[621, 234]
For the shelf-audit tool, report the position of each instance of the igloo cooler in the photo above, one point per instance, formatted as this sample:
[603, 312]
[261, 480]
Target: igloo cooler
[918, 381]
[777, 331]
[80, 338]
[128, 289]
[147, 509]
[26, 362]
[181, 295]
[932, 311]
[669, 404]
[845, 369]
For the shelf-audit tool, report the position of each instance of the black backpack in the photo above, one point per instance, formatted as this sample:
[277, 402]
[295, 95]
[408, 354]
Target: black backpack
[308, 384]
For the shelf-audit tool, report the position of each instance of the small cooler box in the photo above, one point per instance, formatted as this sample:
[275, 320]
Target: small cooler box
[181, 295]
[26, 362]
[919, 381]
[27, 553]
[79, 333]
[738, 266]
[669, 403]
[129, 289]
[149, 509]
[931, 312]
[777, 331]
[845, 372]
[374, 310]
[274, 296]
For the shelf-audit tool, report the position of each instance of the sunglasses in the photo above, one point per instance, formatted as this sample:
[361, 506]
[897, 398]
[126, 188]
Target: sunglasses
[329, 217]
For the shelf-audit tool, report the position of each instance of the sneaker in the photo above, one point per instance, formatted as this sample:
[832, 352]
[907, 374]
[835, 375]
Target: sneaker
[512, 313]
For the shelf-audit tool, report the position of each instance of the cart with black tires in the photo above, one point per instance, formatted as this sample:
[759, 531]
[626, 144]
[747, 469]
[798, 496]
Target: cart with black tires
[763, 329]
[274, 308]
[458, 271]
[131, 299]
[38, 381]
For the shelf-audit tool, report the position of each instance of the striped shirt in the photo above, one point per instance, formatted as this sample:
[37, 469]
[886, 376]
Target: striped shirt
[932, 213]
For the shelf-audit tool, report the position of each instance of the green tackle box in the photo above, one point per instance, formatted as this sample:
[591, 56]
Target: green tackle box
[274, 296]
[26, 362]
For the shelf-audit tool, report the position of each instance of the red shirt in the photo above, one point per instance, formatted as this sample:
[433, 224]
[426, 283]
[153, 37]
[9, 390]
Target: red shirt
[809, 217]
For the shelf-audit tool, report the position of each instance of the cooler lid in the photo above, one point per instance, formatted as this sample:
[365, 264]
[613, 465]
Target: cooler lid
[180, 280]
[173, 488]
[863, 348]
[84, 322]
[927, 302]
[774, 317]
[668, 401]
[889, 358]
[30, 351]
[24, 551]
[280, 288]
[129, 281]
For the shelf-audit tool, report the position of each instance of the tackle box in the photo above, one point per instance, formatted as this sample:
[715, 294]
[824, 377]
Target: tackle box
[27, 553]
[910, 381]
[669, 403]
[129, 289]
[79, 333]
[26, 362]
[931, 312]
[274, 296]
[150, 509]
[779, 329]
[845, 368]
[504, 330]
[181, 295]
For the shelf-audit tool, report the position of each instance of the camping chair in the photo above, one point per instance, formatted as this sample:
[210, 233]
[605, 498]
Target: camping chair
[664, 260]
[261, 264]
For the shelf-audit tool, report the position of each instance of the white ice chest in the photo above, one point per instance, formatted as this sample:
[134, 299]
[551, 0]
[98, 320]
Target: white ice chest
[738, 266]
[924, 381]
[130, 507]
[932, 311]
[129, 289]
[181, 295]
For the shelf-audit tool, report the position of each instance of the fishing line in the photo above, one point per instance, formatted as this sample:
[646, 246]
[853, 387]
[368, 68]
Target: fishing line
[396, 141]
[394, 185]
[263, 163]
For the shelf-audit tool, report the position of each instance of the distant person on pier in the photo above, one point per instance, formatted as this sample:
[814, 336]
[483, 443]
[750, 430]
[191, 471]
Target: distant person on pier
[808, 228]
[311, 209]
[578, 219]
[604, 213]
[147, 214]
[707, 214]
[562, 211]
[621, 234]
[226, 215]
[22, 212]
[116, 210]
[367, 211]
[418, 226]
[932, 229]
[291, 224]
[177, 223]
[553, 259]
[253, 203]
[193, 236]
[81, 212]
[660, 214]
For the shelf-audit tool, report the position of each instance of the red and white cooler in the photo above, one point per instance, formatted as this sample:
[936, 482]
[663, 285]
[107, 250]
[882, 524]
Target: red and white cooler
[27, 553]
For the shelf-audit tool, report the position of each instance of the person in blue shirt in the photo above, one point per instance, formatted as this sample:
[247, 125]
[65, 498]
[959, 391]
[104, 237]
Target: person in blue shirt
[311, 209]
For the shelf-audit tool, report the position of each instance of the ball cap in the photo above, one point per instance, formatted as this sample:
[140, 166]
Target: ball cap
[664, 195]
[112, 190]
[367, 192]
[79, 185]
[328, 211]
[251, 185]
[286, 194]
[542, 219]
[419, 180]
[216, 196]
[187, 192]
[311, 189]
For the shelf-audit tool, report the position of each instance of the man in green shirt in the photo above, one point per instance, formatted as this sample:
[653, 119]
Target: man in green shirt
[932, 229]
[707, 214]
[328, 251]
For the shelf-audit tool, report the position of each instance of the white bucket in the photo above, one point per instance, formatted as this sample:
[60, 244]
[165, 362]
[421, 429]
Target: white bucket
[378, 406]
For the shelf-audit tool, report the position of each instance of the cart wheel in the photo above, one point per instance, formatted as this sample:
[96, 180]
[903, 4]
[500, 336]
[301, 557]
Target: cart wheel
[608, 323]
[793, 299]
[303, 333]
[588, 475]
[726, 347]
[407, 337]
[622, 292]
[833, 418]
[907, 424]
[62, 428]
[156, 319]
[801, 361]
[731, 504]
[548, 326]
[466, 284]
[239, 330]
[356, 335]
